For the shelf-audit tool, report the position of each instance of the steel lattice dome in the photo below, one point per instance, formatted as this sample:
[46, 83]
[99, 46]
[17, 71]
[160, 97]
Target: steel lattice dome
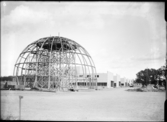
[54, 63]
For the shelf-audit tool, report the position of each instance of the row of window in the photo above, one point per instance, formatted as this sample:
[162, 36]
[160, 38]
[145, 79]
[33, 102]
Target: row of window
[102, 84]
[84, 84]
[98, 84]
[89, 76]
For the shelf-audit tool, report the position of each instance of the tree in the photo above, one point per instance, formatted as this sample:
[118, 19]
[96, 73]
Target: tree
[152, 76]
[147, 76]
[162, 76]
[7, 78]
[141, 78]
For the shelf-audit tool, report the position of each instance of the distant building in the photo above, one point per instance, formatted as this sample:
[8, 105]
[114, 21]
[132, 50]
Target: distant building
[110, 80]
[8, 85]
[117, 80]
[123, 81]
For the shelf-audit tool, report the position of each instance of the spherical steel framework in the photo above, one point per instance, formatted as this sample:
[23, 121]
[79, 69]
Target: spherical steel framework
[55, 63]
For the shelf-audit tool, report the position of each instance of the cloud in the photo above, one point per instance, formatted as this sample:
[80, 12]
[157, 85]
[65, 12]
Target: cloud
[23, 17]
[96, 21]
[92, 22]
[71, 15]
[149, 58]
[8, 53]
[83, 14]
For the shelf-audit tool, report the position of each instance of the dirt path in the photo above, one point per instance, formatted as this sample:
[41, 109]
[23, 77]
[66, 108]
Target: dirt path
[108, 104]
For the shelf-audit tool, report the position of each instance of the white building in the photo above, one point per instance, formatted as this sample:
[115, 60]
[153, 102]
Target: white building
[123, 81]
[105, 79]
[108, 80]
[117, 80]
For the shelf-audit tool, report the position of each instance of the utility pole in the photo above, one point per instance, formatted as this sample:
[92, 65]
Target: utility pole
[20, 97]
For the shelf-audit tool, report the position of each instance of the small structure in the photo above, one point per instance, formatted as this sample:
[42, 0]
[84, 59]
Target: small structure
[109, 80]
[55, 63]
[117, 80]
[105, 79]
[124, 81]
[8, 85]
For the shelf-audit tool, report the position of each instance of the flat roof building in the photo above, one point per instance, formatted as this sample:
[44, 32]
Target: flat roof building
[110, 80]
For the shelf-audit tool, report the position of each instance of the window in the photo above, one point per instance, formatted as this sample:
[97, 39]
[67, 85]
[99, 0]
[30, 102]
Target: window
[102, 84]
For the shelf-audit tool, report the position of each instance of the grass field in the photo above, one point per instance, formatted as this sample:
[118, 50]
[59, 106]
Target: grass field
[115, 104]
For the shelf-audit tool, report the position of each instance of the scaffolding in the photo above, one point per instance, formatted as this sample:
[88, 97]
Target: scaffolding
[55, 63]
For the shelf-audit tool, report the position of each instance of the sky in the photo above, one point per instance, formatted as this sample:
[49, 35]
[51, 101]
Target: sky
[121, 37]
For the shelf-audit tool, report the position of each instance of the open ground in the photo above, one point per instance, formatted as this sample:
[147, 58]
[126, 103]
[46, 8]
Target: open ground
[115, 104]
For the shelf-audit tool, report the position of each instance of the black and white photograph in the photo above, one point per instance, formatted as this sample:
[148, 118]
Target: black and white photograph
[83, 61]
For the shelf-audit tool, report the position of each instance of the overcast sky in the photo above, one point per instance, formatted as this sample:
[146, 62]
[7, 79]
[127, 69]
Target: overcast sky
[121, 37]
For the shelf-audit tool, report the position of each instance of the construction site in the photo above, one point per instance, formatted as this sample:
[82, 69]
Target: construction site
[59, 64]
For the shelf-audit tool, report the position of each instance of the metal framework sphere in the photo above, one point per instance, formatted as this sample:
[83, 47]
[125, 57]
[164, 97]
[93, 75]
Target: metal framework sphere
[55, 63]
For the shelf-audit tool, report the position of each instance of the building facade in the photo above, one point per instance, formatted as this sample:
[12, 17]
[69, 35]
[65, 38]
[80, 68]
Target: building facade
[110, 80]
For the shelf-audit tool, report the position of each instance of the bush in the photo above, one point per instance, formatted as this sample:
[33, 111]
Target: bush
[146, 90]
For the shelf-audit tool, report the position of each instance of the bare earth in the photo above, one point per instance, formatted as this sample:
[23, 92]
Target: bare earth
[115, 104]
